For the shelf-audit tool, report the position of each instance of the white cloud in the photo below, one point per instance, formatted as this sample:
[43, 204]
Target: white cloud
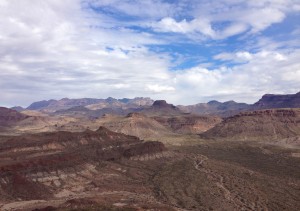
[121, 86]
[233, 29]
[53, 49]
[244, 56]
[260, 19]
[222, 19]
[265, 72]
[156, 88]
[197, 25]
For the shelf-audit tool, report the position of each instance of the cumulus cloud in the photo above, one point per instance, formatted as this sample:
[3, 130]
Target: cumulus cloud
[159, 88]
[53, 49]
[265, 72]
[197, 25]
[222, 19]
[92, 48]
[242, 56]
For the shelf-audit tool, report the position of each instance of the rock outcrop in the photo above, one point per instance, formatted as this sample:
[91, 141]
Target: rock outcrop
[162, 108]
[278, 101]
[271, 124]
[136, 124]
[45, 165]
[188, 124]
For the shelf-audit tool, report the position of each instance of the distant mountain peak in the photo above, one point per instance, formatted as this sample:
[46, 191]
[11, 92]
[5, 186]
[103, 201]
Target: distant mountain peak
[230, 101]
[110, 98]
[161, 107]
[213, 102]
[18, 108]
[162, 104]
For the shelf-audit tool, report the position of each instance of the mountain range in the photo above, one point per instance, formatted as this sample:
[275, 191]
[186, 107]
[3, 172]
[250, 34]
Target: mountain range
[91, 103]
[97, 107]
[140, 154]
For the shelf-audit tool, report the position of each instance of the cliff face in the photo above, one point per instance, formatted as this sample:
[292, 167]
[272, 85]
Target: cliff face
[162, 108]
[271, 124]
[278, 101]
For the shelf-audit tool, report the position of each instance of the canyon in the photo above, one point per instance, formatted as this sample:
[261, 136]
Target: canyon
[141, 154]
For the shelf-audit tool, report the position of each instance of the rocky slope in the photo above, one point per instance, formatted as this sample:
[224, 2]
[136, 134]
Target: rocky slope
[14, 123]
[9, 116]
[188, 124]
[271, 124]
[135, 124]
[61, 164]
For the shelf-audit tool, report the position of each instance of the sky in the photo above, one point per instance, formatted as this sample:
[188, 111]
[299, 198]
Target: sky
[183, 51]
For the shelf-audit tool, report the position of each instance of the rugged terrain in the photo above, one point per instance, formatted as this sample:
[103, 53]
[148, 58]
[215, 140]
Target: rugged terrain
[217, 108]
[230, 108]
[90, 103]
[278, 101]
[9, 117]
[157, 157]
[135, 124]
[151, 123]
[60, 165]
[188, 123]
[271, 124]
[103, 170]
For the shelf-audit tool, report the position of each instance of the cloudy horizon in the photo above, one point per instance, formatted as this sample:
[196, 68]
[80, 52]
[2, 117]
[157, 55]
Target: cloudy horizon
[185, 52]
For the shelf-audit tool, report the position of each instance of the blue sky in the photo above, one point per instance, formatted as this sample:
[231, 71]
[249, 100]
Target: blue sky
[183, 51]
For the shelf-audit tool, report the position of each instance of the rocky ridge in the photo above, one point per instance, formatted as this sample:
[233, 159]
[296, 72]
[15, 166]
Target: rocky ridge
[60, 164]
[270, 124]
[278, 101]
[90, 103]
